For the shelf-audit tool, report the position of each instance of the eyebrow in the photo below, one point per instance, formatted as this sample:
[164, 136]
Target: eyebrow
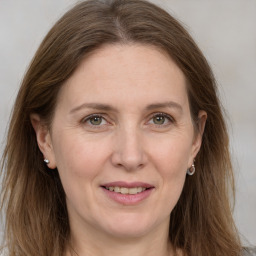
[96, 106]
[106, 107]
[169, 104]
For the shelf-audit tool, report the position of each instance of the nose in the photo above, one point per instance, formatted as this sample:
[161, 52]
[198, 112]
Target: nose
[129, 152]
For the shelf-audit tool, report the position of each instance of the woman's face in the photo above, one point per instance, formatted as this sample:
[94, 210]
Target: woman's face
[122, 139]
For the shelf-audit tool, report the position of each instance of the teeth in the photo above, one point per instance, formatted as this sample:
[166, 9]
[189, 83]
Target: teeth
[117, 189]
[133, 191]
[140, 189]
[125, 191]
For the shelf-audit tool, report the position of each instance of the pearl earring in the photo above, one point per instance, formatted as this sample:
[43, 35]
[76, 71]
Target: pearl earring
[46, 161]
[191, 170]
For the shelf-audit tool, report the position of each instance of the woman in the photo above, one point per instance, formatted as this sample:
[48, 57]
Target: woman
[119, 142]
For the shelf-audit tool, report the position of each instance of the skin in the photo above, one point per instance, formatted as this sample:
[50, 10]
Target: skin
[144, 132]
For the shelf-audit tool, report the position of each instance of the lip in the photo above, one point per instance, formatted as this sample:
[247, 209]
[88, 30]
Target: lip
[127, 184]
[127, 199]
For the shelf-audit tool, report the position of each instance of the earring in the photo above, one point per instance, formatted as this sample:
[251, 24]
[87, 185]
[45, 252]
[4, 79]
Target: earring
[46, 161]
[191, 170]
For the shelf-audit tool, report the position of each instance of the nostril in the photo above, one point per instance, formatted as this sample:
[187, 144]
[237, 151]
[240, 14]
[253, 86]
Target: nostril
[129, 155]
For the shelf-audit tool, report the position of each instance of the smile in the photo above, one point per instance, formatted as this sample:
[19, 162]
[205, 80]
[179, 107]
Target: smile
[126, 191]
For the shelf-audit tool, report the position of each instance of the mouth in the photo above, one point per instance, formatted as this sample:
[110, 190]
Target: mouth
[127, 193]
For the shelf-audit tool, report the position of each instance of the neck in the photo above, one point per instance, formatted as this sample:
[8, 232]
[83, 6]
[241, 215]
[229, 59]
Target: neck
[93, 243]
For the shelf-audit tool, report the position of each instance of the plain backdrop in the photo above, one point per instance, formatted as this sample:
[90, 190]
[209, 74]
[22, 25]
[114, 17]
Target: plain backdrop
[225, 30]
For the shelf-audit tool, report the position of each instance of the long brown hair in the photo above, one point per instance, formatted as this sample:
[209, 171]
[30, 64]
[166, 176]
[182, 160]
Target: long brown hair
[33, 198]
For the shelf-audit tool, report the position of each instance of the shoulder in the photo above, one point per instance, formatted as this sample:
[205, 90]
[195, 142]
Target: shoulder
[249, 251]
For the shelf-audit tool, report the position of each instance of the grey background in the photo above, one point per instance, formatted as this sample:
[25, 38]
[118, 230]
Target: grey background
[224, 29]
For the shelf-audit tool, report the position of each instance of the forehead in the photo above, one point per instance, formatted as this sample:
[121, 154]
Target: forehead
[125, 72]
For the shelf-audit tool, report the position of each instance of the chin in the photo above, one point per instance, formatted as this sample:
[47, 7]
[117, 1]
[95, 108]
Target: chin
[131, 232]
[129, 227]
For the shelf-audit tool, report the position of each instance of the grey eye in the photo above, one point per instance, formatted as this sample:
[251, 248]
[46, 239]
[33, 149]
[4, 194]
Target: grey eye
[95, 120]
[159, 120]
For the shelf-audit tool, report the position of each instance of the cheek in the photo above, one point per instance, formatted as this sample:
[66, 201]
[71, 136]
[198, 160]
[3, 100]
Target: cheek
[171, 161]
[173, 155]
[78, 162]
[77, 156]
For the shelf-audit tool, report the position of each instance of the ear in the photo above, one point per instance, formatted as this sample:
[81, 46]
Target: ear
[201, 121]
[43, 139]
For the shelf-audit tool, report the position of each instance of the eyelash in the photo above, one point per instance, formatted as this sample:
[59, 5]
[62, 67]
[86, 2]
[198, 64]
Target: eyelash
[169, 118]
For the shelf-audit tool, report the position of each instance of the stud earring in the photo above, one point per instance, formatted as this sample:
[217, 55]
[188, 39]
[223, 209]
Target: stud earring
[46, 161]
[191, 170]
